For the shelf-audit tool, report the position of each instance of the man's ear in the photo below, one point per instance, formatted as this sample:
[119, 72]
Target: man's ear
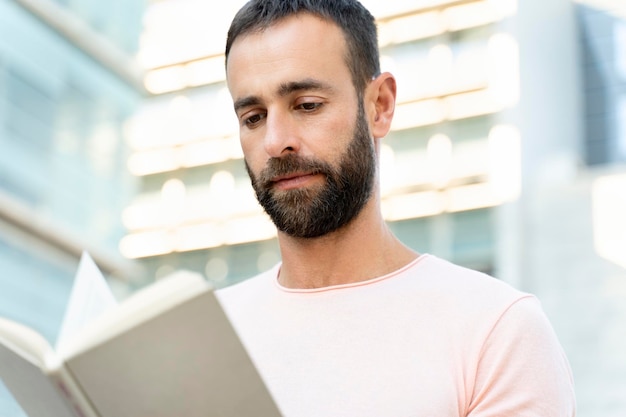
[381, 95]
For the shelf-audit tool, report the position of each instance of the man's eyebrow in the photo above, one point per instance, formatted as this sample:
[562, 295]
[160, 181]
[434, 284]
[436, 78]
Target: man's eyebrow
[302, 85]
[246, 102]
[308, 84]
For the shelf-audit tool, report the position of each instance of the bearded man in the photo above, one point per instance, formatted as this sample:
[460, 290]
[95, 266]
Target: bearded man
[352, 322]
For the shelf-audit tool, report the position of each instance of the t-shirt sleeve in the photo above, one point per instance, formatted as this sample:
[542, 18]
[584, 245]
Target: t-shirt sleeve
[523, 370]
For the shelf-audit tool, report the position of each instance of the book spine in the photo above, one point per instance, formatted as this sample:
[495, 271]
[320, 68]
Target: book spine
[72, 393]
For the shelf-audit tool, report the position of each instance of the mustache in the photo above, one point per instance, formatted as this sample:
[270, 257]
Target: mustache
[288, 165]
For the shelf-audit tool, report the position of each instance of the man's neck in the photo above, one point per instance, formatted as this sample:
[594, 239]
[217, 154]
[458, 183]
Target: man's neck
[355, 253]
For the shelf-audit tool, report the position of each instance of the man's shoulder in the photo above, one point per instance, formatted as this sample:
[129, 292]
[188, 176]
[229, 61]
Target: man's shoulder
[463, 286]
[437, 271]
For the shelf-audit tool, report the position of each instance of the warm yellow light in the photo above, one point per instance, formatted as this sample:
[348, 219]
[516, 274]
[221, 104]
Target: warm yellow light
[475, 103]
[199, 236]
[411, 206]
[200, 153]
[173, 202]
[609, 221]
[471, 159]
[409, 28]
[141, 131]
[470, 70]
[181, 133]
[422, 4]
[440, 70]
[418, 113]
[180, 76]
[216, 270]
[439, 150]
[165, 80]
[504, 69]
[387, 169]
[411, 169]
[210, 151]
[153, 162]
[504, 8]
[220, 199]
[470, 197]
[140, 245]
[385, 9]
[430, 203]
[142, 216]
[205, 71]
[470, 15]
[249, 229]
[505, 160]
[177, 31]
[222, 182]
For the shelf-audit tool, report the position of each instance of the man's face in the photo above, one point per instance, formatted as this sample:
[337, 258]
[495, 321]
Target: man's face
[305, 137]
[310, 212]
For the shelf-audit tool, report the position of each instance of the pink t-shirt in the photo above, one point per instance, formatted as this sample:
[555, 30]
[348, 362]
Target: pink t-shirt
[430, 340]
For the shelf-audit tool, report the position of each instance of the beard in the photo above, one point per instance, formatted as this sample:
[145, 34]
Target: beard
[316, 211]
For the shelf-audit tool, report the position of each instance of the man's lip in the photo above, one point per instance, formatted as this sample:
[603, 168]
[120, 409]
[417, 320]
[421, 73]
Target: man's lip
[291, 176]
[293, 180]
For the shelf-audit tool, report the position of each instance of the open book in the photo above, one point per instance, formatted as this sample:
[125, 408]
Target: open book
[167, 350]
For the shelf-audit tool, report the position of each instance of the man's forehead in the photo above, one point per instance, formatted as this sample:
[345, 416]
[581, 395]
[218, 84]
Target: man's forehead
[290, 54]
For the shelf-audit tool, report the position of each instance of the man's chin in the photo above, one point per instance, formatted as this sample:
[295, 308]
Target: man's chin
[295, 196]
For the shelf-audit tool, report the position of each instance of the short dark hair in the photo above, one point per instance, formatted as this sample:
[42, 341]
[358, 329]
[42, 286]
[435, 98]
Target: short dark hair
[355, 21]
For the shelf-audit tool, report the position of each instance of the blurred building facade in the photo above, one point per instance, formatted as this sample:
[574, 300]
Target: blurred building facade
[67, 86]
[507, 154]
[570, 230]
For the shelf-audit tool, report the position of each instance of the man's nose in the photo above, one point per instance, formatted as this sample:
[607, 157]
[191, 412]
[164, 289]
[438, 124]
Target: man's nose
[281, 135]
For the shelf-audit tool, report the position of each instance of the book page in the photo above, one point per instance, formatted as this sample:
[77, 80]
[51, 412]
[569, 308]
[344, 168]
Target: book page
[24, 341]
[23, 355]
[90, 297]
[148, 302]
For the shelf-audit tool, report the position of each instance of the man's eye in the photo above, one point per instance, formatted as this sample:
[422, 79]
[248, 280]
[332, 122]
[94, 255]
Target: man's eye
[309, 106]
[254, 119]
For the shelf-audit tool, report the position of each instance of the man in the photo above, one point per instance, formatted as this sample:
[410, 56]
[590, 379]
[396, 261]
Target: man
[352, 322]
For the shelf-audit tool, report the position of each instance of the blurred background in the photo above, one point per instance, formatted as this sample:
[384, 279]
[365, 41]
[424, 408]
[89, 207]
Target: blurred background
[507, 155]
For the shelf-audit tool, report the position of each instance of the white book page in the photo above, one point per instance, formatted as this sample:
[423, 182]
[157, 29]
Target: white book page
[90, 297]
[143, 305]
[23, 341]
